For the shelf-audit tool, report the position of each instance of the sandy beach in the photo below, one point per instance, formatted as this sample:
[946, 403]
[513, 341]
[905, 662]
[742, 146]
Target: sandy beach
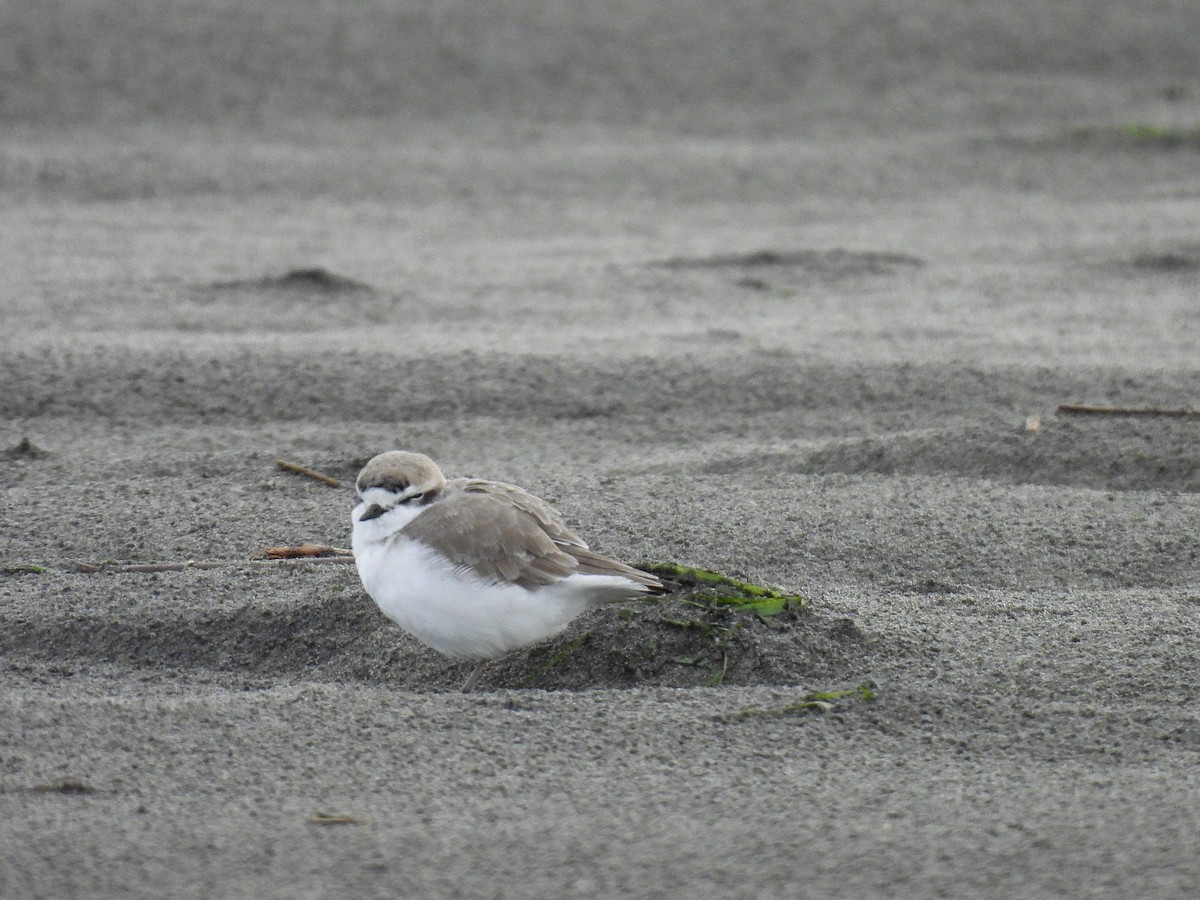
[791, 293]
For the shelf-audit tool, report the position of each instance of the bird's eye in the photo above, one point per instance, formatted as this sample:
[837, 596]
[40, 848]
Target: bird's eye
[413, 497]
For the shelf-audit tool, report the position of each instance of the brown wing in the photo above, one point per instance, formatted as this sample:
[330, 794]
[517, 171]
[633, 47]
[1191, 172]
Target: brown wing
[542, 512]
[503, 533]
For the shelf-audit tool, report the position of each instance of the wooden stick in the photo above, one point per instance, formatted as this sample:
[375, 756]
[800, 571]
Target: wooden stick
[297, 469]
[1084, 409]
[304, 551]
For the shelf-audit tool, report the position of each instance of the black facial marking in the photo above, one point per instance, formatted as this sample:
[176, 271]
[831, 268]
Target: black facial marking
[374, 511]
[395, 485]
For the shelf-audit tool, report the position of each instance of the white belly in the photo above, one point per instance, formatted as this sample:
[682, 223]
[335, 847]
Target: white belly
[460, 615]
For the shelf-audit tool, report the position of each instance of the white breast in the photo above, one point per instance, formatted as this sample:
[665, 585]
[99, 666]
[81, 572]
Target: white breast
[456, 613]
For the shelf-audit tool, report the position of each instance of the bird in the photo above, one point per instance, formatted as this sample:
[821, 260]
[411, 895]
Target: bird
[474, 568]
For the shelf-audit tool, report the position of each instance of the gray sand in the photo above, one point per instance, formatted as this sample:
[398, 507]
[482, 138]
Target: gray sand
[787, 320]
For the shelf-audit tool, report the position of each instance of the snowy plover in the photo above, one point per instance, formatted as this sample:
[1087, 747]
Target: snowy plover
[474, 568]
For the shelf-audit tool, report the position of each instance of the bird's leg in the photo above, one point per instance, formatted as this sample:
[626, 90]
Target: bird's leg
[473, 677]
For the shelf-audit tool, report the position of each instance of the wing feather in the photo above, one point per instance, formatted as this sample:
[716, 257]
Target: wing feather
[505, 534]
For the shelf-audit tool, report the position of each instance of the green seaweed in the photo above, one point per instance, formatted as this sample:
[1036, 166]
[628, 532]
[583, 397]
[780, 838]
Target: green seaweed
[1138, 134]
[1158, 136]
[22, 569]
[704, 588]
[718, 676]
[814, 701]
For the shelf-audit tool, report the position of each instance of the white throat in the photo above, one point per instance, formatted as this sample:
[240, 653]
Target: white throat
[385, 525]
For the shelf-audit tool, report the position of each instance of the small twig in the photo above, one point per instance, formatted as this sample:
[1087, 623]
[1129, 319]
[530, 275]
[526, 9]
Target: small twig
[1084, 409]
[98, 568]
[93, 568]
[66, 786]
[297, 469]
[329, 819]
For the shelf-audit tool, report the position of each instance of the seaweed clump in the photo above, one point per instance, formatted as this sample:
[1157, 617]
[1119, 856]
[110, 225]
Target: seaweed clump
[701, 587]
[706, 628]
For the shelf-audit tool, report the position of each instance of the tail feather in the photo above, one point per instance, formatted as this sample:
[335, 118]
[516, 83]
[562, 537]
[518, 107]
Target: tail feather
[592, 563]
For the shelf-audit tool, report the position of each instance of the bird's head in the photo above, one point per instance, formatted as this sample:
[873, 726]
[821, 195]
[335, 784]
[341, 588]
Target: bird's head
[395, 479]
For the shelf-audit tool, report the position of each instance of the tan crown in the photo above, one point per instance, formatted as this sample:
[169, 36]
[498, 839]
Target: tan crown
[400, 472]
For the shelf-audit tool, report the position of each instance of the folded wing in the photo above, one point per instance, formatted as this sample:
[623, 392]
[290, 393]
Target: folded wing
[505, 534]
